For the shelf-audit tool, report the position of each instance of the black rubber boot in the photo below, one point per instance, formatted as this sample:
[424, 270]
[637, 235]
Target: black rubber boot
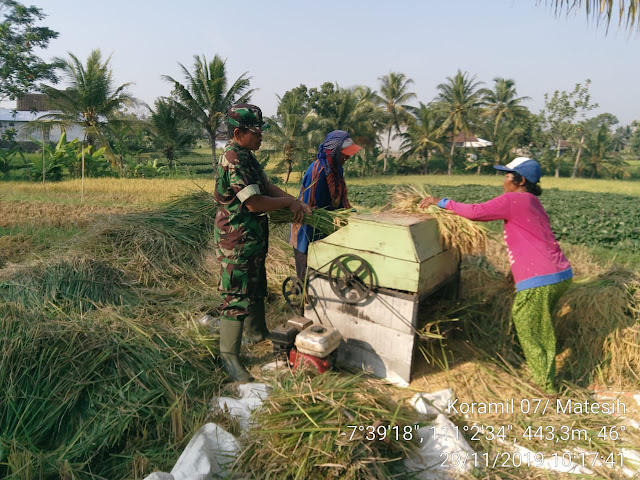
[256, 323]
[230, 339]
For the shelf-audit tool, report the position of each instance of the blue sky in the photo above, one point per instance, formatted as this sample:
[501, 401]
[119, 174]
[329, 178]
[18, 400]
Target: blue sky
[283, 43]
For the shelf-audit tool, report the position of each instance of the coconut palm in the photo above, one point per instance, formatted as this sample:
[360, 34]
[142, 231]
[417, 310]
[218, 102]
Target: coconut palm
[459, 100]
[206, 96]
[628, 10]
[423, 136]
[290, 133]
[502, 103]
[168, 133]
[393, 98]
[354, 111]
[504, 140]
[91, 98]
[600, 158]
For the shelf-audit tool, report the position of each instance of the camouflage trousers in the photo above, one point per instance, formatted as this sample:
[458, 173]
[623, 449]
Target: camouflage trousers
[240, 286]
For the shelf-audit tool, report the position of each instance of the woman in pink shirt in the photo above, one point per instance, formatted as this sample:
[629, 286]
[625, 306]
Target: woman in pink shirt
[540, 270]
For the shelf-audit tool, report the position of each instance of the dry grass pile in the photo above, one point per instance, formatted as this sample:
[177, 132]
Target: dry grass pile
[70, 283]
[298, 432]
[548, 428]
[323, 220]
[545, 430]
[599, 320]
[170, 240]
[13, 247]
[481, 311]
[280, 263]
[98, 395]
[100, 377]
[487, 296]
[42, 214]
[458, 233]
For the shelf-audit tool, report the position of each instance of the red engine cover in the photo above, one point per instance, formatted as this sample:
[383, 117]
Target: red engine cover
[320, 364]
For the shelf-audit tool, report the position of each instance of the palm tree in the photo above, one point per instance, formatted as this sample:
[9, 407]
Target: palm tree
[394, 94]
[628, 10]
[600, 157]
[91, 99]
[167, 132]
[459, 100]
[504, 139]
[423, 136]
[290, 133]
[355, 112]
[205, 97]
[502, 103]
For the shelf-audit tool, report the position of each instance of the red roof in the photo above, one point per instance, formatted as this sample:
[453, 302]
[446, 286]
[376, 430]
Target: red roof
[462, 137]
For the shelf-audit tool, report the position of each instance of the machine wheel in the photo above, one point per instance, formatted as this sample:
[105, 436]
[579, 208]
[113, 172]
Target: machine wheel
[351, 278]
[293, 293]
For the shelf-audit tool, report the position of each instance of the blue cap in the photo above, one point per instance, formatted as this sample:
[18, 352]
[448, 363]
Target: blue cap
[527, 167]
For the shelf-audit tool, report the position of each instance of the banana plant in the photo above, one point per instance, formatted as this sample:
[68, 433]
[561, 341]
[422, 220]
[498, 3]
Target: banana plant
[150, 169]
[56, 159]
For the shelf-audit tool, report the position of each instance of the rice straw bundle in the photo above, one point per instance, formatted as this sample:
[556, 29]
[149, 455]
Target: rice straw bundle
[463, 235]
[599, 319]
[280, 263]
[496, 380]
[68, 282]
[323, 220]
[482, 310]
[97, 395]
[12, 247]
[297, 432]
[169, 240]
[487, 296]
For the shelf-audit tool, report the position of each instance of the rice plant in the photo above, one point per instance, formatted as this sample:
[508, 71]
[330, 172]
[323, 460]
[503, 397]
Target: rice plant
[599, 320]
[71, 283]
[170, 240]
[301, 431]
[98, 395]
[323, 220]
[456, 232]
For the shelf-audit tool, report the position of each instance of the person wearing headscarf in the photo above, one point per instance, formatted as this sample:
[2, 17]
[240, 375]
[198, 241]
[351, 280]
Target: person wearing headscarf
[541, 272]
[323, 186]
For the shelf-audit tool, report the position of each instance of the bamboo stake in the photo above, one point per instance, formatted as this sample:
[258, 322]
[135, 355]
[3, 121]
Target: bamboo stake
[82, 181]
[43, 169]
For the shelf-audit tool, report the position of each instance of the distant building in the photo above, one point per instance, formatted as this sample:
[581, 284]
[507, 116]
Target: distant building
[29, 108]
[469, 140]
[564, 145]
[33, 101]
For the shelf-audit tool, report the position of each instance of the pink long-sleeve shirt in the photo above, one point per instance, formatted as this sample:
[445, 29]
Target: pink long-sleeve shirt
[534, 254]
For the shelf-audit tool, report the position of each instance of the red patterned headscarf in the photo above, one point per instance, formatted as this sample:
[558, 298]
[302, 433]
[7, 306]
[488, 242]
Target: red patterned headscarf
[329, 163]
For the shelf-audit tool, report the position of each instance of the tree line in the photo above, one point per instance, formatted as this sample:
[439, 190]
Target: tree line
[430, 136]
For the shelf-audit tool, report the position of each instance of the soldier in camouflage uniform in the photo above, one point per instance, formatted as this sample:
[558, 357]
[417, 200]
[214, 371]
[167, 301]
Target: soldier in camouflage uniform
[241, 234]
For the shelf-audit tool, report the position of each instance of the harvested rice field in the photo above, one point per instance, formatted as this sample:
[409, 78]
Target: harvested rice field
[109, 371]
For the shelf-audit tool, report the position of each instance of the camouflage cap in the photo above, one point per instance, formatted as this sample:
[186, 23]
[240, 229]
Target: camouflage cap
[245, 115]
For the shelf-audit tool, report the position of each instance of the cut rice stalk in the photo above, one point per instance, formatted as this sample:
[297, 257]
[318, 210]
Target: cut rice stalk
[307, 428]
[599, 319]
[170, 240]
[456, 232]
[323, 220]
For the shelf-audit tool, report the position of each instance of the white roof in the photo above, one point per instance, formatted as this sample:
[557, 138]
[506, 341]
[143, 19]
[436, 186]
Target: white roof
[8, 115]
[481, 142]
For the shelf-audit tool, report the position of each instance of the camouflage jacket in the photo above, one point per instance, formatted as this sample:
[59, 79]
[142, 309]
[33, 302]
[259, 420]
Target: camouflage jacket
[238, 233]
